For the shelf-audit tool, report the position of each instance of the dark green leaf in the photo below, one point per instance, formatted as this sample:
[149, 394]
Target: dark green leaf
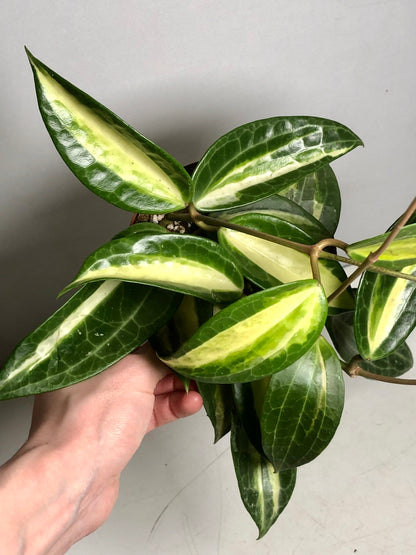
[184, 263]
[318, 193]
[218, 403]
[341, 330]
[256, 336]
[302, 408]
[107, 155]
[265, 493]
[260, 158]
[94, 329]
[282, 208]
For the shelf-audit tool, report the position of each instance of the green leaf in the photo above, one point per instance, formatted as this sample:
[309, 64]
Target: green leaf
[385, 313]
[256, 336]
[218, 403]
[248, 401]
[260, 158]
[107, 155]
[144, 228]
[400, 255]
[268, 264]
[341, 330]
[284, 209]
[302, 408]
[318, 193]
[94, 329]
[184, 263]
[264, 492]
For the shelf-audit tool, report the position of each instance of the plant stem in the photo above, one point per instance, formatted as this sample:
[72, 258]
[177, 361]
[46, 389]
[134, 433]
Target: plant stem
[215, 223]
[353, 370]
[374, 256]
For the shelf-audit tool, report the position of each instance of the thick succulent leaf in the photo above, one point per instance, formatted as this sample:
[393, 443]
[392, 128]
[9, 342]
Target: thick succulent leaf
[341, 330]
[98, 326]
[302, 408]
[268, 264]
[107, 155]
[184, 263]
[318, 193]
[400, 255]
[385, 313]
[284, 209]
[259, 158]
[218, 403]
[264, 492]
[256, 336]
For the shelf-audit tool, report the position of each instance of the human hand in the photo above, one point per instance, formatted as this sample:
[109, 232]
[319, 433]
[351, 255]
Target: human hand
[80, 440]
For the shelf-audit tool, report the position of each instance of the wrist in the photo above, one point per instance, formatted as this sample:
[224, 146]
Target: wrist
[41, 501]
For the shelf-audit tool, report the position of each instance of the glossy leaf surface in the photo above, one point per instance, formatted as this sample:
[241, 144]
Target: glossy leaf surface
[99, 325]
[259, 158]
[341, 330]
[400, 255]
[286, 210]
[218, 403]
[141, 229]
[184, 263]
[302, 408]
[256, 336]
[268, 264]
[385, 313]
[108, 156]
[264, 492]
[318, 193]
[248, 401]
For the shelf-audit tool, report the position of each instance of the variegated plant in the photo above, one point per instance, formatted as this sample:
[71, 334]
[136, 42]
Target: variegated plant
[231, 272]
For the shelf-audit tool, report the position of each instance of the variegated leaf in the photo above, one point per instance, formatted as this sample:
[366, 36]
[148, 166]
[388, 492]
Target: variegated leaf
[98, 326]
[268, 264]
[184, 263]
[108, 156]
[264, 492]
[256, 336]
[260, 158]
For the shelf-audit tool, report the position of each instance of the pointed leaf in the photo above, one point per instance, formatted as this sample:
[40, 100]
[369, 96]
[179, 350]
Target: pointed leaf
[302, 408]
[107, 155]
[400, 255]
[264, 492]
[385, 313]
[184, 263]
[268, 264]
[318, 193]
[341, 330]
[259, 158]
[94, 329]
[256, 336]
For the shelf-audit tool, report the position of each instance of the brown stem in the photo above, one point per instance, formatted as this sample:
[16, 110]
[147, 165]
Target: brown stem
[374, 256]
[353, 369]
[316, 251]
[307, 249]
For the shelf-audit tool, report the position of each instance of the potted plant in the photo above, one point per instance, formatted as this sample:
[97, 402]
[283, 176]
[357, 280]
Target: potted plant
[231, 270]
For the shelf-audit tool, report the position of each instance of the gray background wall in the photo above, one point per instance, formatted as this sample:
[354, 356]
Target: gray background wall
[183, 73]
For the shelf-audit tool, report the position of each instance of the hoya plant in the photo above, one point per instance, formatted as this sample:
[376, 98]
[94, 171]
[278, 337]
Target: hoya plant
[231, 270]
